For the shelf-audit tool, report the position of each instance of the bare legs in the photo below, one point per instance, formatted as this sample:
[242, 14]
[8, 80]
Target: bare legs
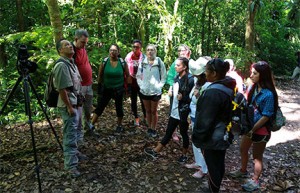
[151, 113]
[258, 150]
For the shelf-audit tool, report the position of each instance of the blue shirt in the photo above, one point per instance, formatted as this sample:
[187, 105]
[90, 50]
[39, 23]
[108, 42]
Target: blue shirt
[265, 103]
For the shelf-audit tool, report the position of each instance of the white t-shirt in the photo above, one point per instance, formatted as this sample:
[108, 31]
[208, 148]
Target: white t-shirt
[174, 110]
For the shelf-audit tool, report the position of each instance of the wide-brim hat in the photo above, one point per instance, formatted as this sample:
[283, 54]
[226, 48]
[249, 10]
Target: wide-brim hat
[197, 67]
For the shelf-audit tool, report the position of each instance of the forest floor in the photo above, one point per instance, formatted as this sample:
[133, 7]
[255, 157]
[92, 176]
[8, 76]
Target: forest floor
[117, 163]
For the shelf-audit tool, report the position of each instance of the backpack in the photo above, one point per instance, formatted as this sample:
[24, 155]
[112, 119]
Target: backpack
[277, 121]
[51, 94]
[159, 67]
[228, 136]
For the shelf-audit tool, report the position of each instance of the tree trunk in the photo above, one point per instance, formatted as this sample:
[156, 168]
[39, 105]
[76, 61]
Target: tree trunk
[203, 27]
[20, 16]
[250, 32]
[169, 22]
[55, 19]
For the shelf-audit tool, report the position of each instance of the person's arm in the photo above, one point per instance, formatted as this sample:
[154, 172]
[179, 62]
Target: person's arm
[100, 72]
[163, 73]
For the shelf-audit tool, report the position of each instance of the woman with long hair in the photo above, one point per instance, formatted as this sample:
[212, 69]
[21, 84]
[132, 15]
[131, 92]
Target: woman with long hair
[151, 77]
[264, 98]
[179, 110]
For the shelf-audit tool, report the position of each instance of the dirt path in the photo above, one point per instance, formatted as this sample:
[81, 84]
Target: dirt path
[117, 162]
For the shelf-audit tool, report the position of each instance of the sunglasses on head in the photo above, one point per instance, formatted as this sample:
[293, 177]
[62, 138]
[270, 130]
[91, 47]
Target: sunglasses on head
[262, 63]
[212, 64]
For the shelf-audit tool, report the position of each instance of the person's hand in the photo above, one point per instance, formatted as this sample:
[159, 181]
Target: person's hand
[196, 93]
[249, 134]
[71, 111]
[170, 93]
[179, 96]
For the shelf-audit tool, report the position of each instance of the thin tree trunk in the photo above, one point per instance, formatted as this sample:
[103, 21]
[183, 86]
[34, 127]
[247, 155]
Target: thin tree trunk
[250, 31]
[55, 19]
[203, 27]
[20, 16]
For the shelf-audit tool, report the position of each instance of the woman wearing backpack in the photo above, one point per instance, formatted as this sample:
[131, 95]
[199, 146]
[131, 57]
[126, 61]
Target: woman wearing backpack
[213, 115]
[179, 110]
[151, 77]
[111, 84]
[264, 98]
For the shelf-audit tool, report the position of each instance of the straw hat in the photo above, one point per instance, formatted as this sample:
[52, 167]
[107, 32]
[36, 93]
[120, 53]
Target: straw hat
[197, 67]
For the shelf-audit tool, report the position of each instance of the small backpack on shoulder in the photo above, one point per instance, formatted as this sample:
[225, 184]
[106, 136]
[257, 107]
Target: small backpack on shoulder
[277, 121]
[51, 94]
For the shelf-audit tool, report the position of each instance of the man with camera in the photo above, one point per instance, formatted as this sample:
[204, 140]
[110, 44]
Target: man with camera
[67, 81]
[82, 61]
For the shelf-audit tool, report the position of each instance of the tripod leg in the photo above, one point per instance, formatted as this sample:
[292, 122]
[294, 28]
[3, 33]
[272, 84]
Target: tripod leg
[44, 111]
[28, 113]
[10, 94]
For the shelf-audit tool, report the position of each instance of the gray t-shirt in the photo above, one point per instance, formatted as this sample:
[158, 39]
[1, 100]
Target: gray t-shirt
[66, 76]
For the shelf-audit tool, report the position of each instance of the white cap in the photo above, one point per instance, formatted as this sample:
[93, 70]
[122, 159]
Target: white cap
[197, 67]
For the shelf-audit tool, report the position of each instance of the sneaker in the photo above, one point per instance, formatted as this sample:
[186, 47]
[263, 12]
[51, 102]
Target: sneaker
[154, 133]
[175, 136]
[251, 185]
[119, 129]
[74, 173]
[151, 152]
[137, 122]
[149, 132]
[182, 159]
[92, 133]
[199, 174]
[82, 157]
[238, 174]
[192, 166]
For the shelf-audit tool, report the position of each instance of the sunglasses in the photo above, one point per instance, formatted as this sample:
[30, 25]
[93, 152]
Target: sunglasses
[212, 64]
[135, 47]
[262, 63]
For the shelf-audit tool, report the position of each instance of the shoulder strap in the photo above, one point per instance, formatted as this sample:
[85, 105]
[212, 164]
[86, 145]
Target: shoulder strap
[223, 88]
[69, 67]
[74, 48]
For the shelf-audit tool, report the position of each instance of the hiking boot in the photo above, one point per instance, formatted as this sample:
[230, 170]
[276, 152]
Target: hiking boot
[74, 173]
[251, 185]
[238, 174]
[119, 129]
[151, 152]
[182, 159]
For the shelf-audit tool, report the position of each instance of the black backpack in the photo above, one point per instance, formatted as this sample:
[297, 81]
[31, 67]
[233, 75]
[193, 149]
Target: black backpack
[51, 94]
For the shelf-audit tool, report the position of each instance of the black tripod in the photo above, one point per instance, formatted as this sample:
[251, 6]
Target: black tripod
[26, 78]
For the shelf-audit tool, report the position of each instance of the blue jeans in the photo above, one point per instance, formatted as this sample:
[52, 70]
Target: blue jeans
[70, 124]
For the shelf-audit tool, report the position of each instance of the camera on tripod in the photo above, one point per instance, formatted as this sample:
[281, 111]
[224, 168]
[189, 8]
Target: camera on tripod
[24, 65]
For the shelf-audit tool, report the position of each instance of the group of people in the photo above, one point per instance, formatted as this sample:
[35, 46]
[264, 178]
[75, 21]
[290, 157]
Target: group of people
[202, 90]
